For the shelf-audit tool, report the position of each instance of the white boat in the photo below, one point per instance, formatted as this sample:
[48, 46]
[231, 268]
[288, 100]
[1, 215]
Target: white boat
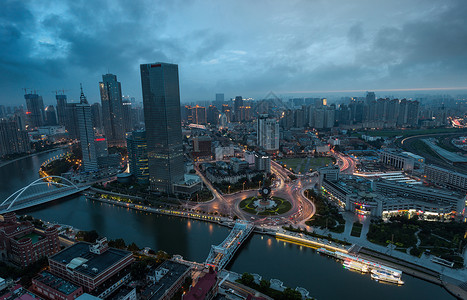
[386, 276]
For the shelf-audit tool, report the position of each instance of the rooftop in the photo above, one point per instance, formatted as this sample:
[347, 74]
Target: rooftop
[175, 271]
[202, 287]
[33, 236]
[86, 262]
[57, 283]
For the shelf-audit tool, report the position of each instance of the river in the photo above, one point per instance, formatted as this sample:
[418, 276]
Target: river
[295, 265]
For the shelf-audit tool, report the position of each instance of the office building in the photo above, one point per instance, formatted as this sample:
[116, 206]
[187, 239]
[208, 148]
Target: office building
[22, 245]
[202, 146]
[96, 113]
[161, 100]
[112, 110]
[238, 102]
[50, 116]
[267, 131]
[90, 265]
[262, 162]
[61, 109]
[138, 156]
[35, 110]
[86, 134]
[127, 116]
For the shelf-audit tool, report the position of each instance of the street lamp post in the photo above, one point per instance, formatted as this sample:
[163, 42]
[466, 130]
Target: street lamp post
[259, 184]
[243, 189]
[229, 190]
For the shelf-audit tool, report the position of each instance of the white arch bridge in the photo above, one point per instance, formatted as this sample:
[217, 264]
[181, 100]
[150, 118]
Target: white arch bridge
[40, 191]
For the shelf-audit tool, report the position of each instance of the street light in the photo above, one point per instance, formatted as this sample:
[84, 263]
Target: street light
[244, 185]
[229, 190]
[259, 184]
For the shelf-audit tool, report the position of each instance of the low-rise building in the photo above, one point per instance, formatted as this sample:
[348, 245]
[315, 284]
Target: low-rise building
[400, 160]
[445, 177]
[22, 244]
[53, 287]
[89, 265]
[166, 280]
[206, 288]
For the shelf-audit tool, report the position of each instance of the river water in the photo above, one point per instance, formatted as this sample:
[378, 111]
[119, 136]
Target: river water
[295, 265]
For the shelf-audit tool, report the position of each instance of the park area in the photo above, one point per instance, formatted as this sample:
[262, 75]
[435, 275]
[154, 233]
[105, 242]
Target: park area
[282, 206]
[305, 164]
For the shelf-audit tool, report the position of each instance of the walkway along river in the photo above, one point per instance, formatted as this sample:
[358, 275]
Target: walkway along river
[294, 265]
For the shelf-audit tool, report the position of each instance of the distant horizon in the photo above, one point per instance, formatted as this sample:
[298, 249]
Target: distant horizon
[245, 48]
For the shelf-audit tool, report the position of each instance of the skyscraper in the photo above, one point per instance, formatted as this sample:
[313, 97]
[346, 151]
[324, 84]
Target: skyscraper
[161, 100]
[35, 112]
[61, 109]
[12, 138]
[267, 133]
[50, 116]
[137, 155]
[86, 134]
[237, 104]
[112, 109]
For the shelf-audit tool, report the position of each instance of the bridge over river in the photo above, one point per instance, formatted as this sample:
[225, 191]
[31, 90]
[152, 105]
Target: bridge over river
[40, 191]
[220, 255]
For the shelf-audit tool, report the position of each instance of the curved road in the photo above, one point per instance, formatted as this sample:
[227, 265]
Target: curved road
[302, 208]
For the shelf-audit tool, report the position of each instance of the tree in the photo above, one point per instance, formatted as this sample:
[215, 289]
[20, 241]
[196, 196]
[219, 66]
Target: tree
[264, 284]
[118, 243]
[247, 279]
[290, 294]
[133, 247]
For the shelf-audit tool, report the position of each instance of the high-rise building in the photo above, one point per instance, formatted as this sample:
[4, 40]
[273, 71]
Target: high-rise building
[370, 97]
[96, 113]
[267, 133]
[137, 155]
[212, 115]
[12, 138]
[161, 100]
[198, 114]
[127, 117]
[50, 116]
[112, 110]
[220, 98]
[237, 104]
[61, 109]
[86, 134]
[71, 121]
[35, 106]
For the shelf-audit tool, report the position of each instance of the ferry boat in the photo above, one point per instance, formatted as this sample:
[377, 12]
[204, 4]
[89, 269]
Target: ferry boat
[386, 276]
[353, 265]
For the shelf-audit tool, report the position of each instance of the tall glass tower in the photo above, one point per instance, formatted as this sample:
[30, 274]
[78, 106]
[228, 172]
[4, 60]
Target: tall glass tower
[112, 110]
[161, 100]
[86, 134]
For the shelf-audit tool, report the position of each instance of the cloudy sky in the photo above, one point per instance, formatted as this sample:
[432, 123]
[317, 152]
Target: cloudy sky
[237, 47]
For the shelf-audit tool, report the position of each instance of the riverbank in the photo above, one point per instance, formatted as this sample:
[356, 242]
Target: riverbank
[407, 267]
[5, 163]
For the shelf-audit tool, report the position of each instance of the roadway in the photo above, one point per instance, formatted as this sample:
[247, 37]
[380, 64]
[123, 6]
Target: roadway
[302, 208]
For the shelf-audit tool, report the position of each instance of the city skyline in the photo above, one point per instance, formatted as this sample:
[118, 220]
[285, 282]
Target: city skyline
[303, 47]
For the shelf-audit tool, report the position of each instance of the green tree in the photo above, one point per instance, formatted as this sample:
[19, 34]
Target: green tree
[264, 284]
[247, 279]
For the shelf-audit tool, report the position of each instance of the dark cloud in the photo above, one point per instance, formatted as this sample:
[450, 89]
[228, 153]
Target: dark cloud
[233, 47]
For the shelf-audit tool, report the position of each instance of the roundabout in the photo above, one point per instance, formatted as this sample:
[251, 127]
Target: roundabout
[276, 206]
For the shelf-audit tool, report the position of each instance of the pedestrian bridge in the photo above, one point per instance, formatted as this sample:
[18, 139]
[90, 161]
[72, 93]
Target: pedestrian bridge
[220, 255]
[40, 191]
